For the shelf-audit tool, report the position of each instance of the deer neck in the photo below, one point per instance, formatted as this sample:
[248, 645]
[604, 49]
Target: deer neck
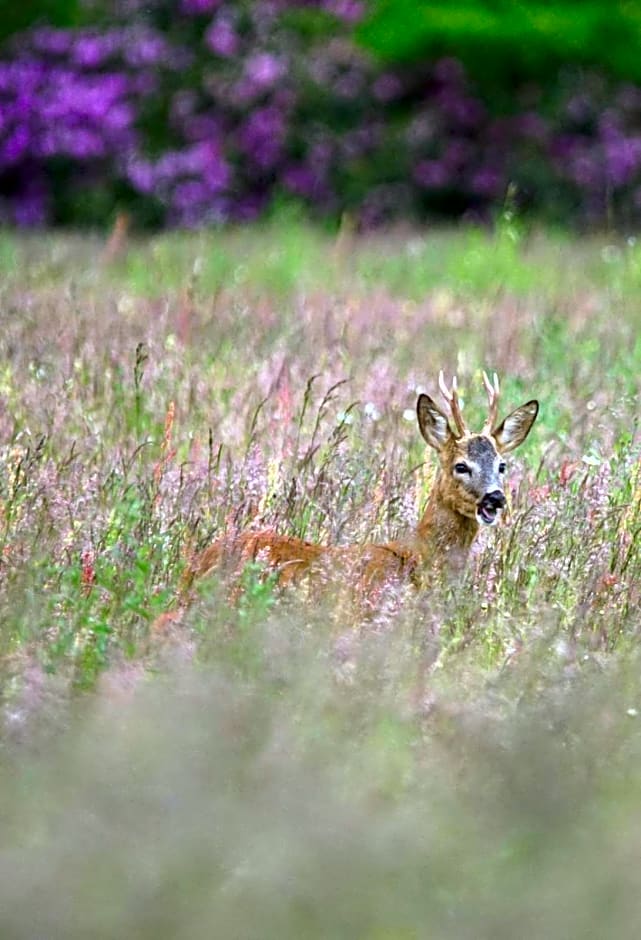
[444, 535]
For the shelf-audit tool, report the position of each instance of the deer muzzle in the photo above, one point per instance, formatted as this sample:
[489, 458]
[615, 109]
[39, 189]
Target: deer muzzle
[488, 508]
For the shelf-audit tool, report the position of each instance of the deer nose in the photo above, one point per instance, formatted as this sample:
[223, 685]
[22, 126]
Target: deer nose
[496, 499]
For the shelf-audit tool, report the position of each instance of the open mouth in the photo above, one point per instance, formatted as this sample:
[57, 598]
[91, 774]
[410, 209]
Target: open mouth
[487, 512]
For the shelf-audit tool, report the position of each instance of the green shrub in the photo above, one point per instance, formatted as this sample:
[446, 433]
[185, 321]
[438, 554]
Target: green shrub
[508, 41]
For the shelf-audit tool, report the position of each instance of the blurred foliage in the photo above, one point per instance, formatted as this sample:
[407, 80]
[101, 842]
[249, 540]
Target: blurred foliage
[503, 40]
[210, 111]
[15, 17]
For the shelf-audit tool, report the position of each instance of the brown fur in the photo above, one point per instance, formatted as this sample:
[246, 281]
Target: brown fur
[442, 540]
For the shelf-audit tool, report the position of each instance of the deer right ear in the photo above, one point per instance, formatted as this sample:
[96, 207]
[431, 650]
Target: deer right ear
[432, 422]
[516, 427]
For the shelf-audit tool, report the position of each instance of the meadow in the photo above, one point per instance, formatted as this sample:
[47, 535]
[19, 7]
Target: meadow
[459, 762]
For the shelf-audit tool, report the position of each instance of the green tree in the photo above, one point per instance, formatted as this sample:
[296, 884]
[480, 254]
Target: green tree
[507, 40]
[18, 16]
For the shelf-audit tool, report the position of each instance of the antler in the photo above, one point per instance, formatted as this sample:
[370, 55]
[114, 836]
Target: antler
[451, 397]
[493, 391]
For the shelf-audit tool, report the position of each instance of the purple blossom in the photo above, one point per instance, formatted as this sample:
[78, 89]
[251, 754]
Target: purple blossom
[247, 208]
[14, 147]
[322, 153]
[81, 143]
[449, 71]
[622, 160]
[92, 51]
[189, 182]
[146, 48]
[487, 181]
[457, 153]
[261, 137]
[52, 41]
[532, 125]
[120, 117]
[201, 127]
[351, 11]
[306, 182]
[387, 87]
[460, 108]
[141, 175]
[192, 203]
[263, 70]
[584, 171]
[221, 37]
[183, 105]
[360, 142]
[579, 107]
[431, 174]
[349, 84]
[144, 84]
[197, 7]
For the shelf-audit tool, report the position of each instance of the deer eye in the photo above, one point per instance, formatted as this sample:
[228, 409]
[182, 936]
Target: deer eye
[462, 468]
[502, 468]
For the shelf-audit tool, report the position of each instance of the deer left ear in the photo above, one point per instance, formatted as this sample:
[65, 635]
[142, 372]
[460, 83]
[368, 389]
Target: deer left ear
[516, 427]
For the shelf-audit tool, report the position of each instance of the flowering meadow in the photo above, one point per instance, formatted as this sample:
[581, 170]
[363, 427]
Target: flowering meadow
[193, 113]
[464, 761]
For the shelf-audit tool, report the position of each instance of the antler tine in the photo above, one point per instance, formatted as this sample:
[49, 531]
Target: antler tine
[493, 390]
[451, 397]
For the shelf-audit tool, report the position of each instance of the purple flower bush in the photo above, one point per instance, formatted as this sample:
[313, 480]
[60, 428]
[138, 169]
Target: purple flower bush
[206, 110]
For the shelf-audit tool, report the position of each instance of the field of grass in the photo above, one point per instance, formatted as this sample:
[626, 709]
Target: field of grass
[464, 762]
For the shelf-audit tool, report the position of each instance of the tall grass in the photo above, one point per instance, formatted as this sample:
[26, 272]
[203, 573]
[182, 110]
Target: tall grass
[460, 762]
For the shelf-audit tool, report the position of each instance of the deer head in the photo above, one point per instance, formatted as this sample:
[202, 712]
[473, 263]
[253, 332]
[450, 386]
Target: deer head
[473, 468]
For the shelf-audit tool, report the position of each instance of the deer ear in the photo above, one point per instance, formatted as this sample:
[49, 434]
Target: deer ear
[516, 427]
[432, 422]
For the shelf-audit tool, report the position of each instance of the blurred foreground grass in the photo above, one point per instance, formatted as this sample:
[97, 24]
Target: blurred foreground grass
[461, 763]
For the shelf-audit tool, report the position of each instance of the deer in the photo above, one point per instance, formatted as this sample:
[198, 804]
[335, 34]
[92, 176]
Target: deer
[468, 493]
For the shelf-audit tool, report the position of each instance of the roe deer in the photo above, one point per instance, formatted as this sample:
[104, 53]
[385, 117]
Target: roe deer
[468, 492]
